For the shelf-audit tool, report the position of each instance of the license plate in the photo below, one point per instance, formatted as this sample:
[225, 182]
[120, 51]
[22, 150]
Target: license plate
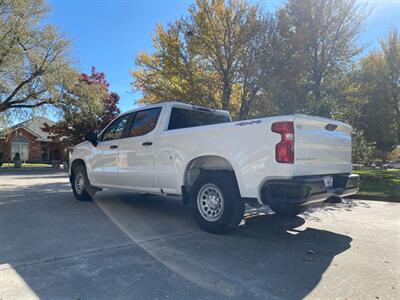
[328, 181]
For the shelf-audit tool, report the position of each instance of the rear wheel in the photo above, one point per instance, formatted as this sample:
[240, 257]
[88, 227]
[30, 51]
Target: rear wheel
[81, 187]
[216, 203]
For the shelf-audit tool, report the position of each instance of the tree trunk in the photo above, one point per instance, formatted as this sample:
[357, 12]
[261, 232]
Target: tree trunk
[226, 95]
[246, 104]
[398, 123]
[244, 110]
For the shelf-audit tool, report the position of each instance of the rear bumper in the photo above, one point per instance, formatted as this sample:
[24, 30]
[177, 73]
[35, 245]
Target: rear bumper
[304, 190]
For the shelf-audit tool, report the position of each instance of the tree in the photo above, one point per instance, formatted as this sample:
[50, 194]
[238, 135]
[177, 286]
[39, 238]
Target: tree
[90, 106]
[211, 57]
[283, 65]
[367, 95]
[110, 99]
[34, 69]
[391, 54]
[362, 151]
[378, 89]
[229, 37]
[173, 71]
[377, 115]
[318, 41]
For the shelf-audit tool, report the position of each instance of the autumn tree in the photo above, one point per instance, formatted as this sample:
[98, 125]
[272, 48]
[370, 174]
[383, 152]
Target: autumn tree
[211, 57]
[89, 106]
[173, 71]
[110, 100]
[304, 58]
[34, 68]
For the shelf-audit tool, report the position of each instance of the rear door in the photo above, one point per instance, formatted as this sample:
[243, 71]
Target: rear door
[322, 146]
[137, 152]
[168, 158]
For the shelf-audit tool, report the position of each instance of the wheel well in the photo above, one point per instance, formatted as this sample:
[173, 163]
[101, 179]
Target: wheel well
[204, 163]
[75, 163]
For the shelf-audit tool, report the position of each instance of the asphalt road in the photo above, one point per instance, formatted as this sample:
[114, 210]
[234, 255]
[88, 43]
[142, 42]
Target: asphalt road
[129, 246]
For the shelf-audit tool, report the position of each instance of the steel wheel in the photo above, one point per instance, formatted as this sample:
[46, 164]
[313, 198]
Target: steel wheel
[210, 202]
[79, 183]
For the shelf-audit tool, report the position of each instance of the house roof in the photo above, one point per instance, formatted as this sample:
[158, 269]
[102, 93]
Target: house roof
[34, 126]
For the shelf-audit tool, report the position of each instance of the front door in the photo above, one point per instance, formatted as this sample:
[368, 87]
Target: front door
[44, 153]
[137, 152]
[104, 162]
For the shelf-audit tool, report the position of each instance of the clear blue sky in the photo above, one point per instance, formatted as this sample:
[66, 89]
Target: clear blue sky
[108, 34]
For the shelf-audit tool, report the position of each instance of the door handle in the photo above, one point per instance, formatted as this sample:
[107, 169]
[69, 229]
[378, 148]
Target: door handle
[147, 143]
[113, 147]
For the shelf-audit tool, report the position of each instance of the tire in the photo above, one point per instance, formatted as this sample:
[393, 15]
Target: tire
[80, 184]
[290, 211]
[334, 199]
[226, 207]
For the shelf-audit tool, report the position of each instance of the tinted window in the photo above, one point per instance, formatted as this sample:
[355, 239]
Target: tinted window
[116, 129]
[184, 118]
[144, 122]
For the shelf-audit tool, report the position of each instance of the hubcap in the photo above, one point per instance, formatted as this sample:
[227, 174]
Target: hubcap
[79, 183]
[210, 202]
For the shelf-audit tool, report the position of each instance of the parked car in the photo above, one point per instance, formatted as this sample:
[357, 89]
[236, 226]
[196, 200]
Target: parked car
[384, 166]
[395, 164]
[217, 165]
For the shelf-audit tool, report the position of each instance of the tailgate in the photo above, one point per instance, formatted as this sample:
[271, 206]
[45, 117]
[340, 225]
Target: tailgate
[322, 146]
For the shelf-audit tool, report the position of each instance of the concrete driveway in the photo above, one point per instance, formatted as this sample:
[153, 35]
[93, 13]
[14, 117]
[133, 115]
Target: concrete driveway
[129, 246]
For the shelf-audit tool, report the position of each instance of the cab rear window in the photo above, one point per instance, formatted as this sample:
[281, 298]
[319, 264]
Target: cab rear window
[185, 118]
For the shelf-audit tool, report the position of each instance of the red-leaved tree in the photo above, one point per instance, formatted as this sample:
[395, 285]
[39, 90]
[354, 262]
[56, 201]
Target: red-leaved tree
[91, 106]
[110, 102]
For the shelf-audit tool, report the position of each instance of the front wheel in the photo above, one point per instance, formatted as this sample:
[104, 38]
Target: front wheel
[81, 187]
[216, 203]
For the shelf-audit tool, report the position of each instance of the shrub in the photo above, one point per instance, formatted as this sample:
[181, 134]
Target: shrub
[363, 151]
[395, 154]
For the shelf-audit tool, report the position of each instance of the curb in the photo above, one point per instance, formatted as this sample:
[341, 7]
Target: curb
[36, 169]
[374, 198]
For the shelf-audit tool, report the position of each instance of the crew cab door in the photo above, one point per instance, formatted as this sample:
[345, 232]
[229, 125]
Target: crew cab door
[104, 160]
[137, 152]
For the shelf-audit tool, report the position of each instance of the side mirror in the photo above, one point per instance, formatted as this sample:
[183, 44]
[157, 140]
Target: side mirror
[91, 136]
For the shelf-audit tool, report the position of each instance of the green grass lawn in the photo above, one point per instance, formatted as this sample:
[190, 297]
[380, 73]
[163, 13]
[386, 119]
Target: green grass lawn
[26, 165]
[384, 183]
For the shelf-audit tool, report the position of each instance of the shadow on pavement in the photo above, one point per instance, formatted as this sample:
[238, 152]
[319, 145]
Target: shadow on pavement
[270, 256]
[66, 249]
[346, 205]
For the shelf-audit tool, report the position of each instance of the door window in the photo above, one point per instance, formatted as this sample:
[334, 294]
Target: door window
[116, 129]
[144, 122]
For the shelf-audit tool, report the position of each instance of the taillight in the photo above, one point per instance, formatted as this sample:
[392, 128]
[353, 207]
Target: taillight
[284, 150]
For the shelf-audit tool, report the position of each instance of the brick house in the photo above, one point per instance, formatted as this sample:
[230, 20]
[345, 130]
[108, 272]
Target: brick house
[31, 142]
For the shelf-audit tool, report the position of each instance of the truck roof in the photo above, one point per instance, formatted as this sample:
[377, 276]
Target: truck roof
[176, 104]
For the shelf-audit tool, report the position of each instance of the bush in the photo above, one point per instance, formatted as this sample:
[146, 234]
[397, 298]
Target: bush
[17, 160]
[1, 158]
[363, 151]
[395, 154]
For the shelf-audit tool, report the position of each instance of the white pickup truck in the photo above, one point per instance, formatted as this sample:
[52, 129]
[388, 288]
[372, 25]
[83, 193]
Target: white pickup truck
[217, 165]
